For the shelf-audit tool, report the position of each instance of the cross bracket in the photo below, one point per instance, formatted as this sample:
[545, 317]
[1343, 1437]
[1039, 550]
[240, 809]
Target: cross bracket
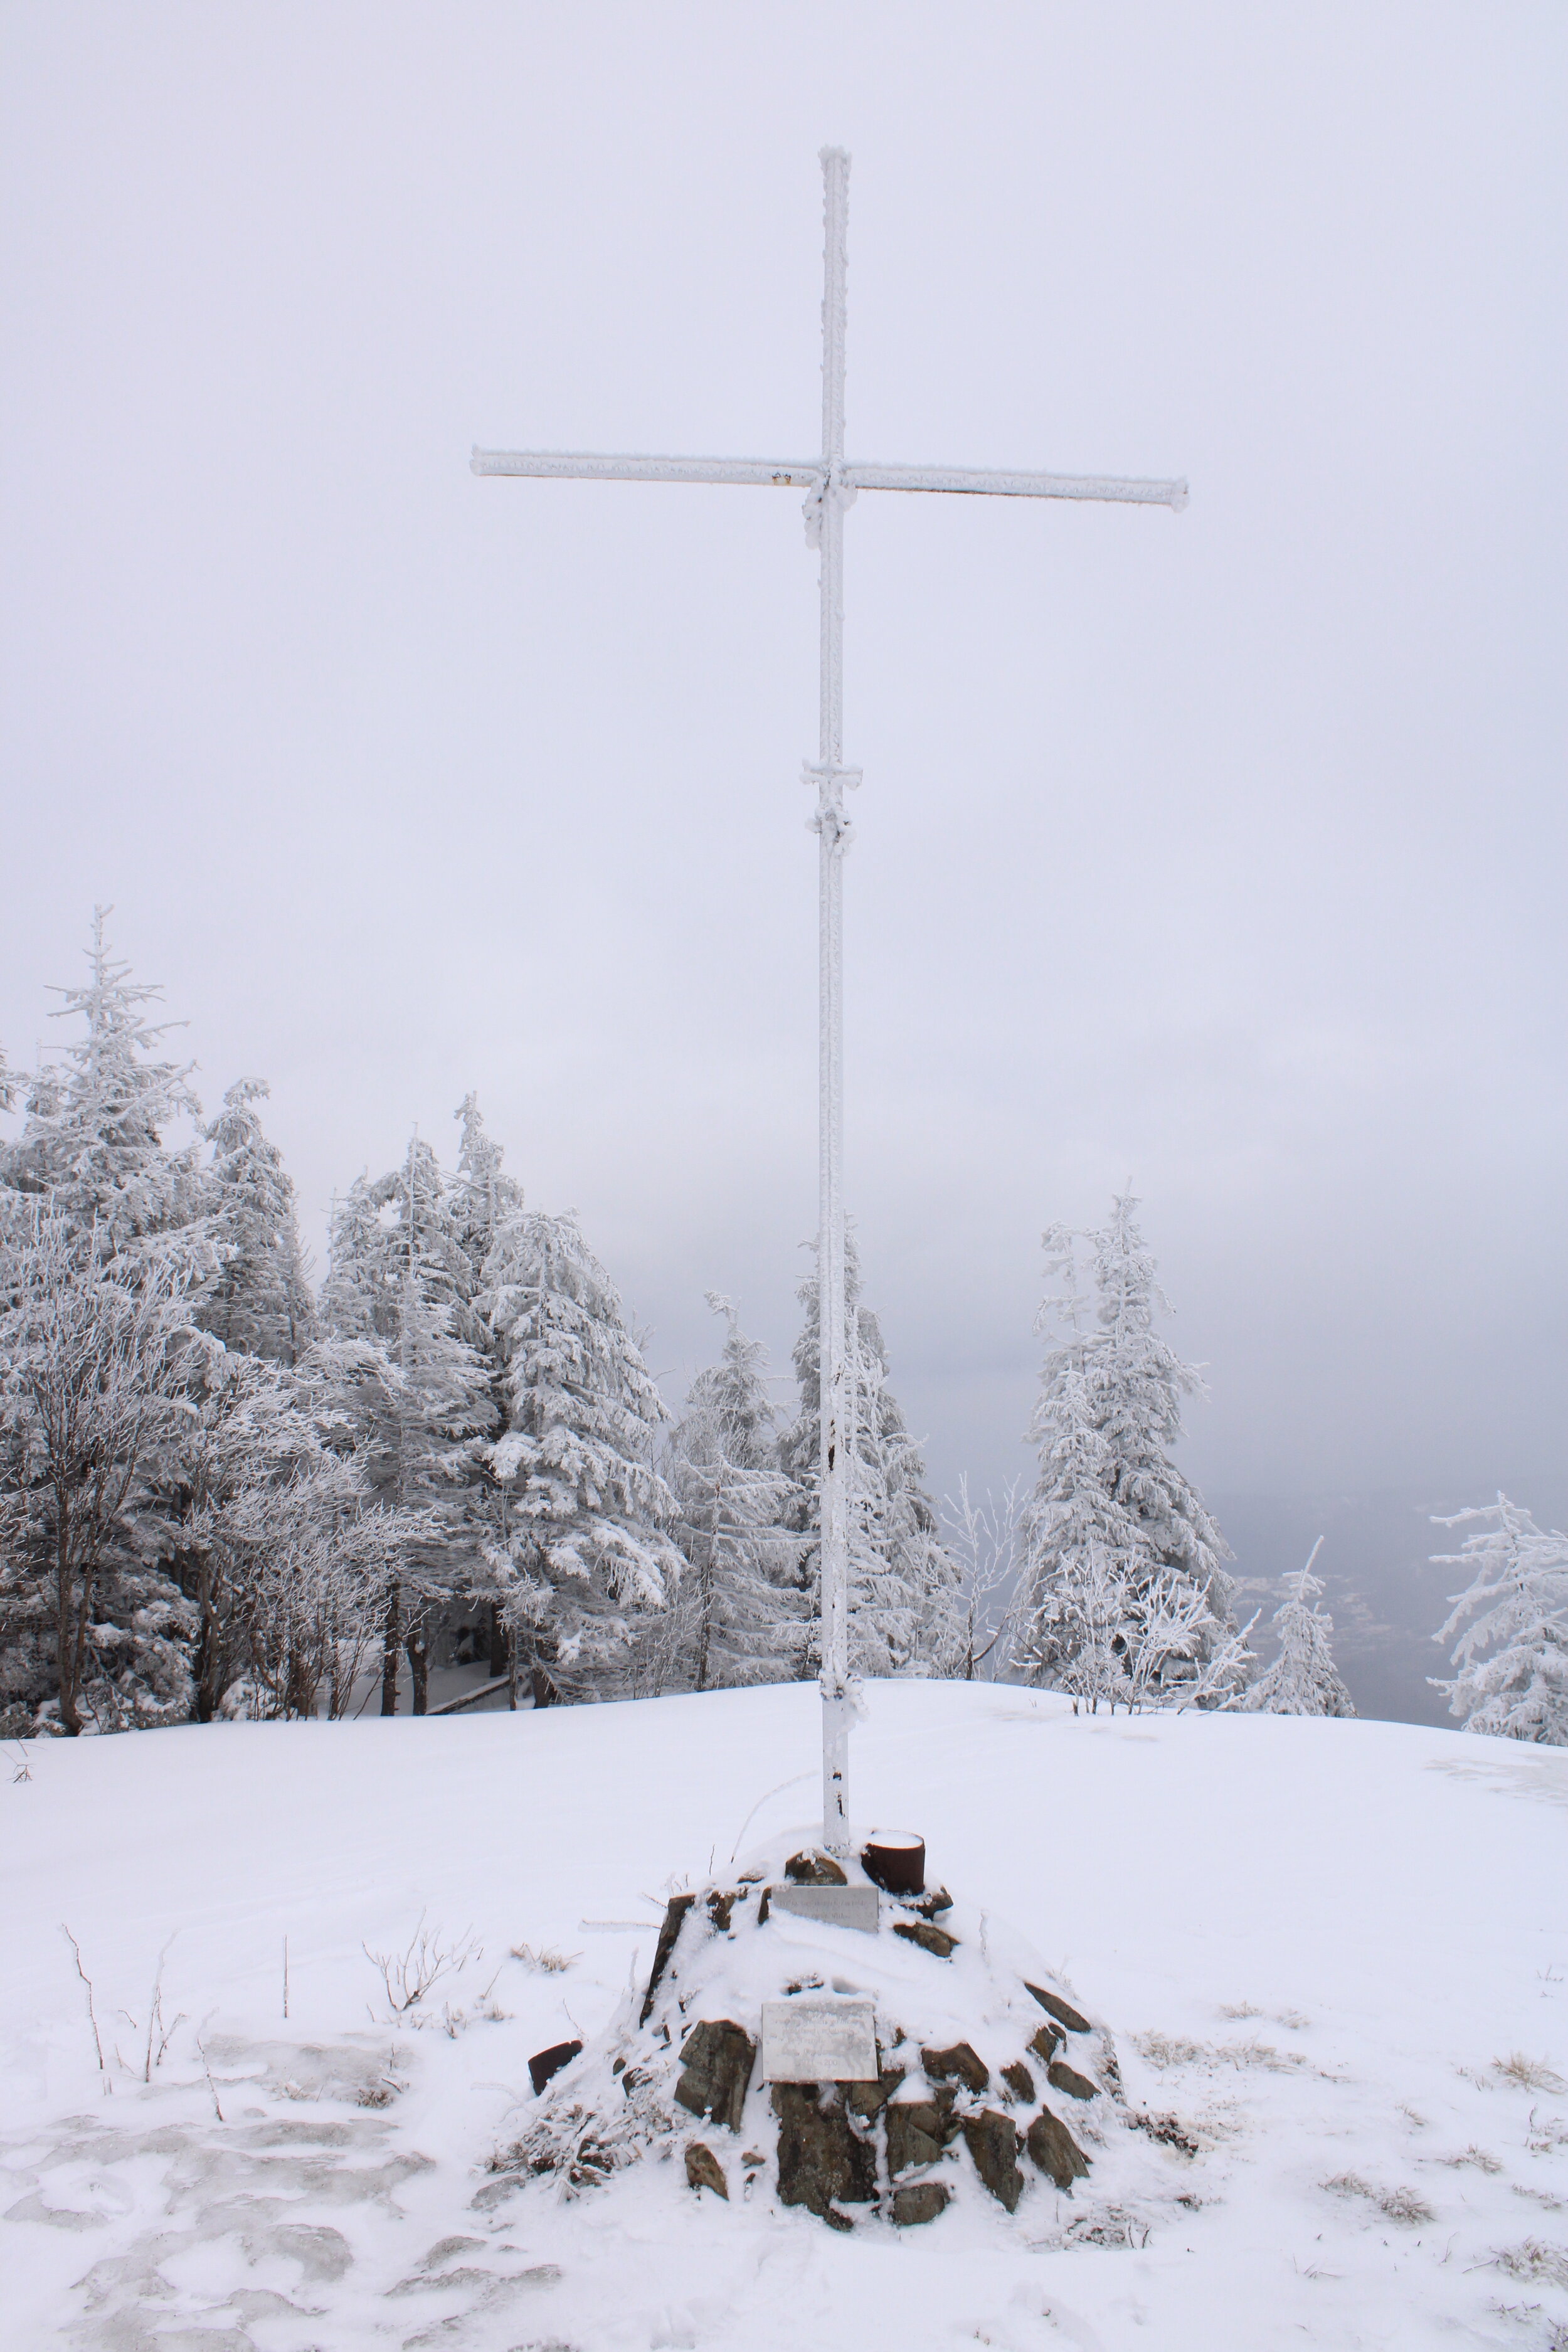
[835, 483]
[829, 817]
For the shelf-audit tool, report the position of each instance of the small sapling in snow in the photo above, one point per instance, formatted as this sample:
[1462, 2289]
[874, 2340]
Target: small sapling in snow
[91, 2013]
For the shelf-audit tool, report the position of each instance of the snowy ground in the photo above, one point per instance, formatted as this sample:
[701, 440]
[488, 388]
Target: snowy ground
[1337, 1952]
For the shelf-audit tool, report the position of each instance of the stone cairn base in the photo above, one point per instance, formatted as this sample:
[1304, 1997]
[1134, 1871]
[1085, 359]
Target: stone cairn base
[984, 2072]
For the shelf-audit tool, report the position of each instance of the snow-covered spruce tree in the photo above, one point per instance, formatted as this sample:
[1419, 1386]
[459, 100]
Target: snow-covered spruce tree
[93, 1376]
[92, 1142]
[584, 1553]
[1303, 1678]
[1511, 1661]
[1084, 1558]
[483, 1198]
[259, 1300]
[413, 1395]
[738, 1616]
[905, 1614]
[1110, 1506]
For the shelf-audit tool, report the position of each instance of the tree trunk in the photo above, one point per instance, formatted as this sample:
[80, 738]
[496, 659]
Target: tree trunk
[391, 1641]
[418, 1648]
[71, 1622]
[206, 1666]
[544, 1691]
[501, 1648]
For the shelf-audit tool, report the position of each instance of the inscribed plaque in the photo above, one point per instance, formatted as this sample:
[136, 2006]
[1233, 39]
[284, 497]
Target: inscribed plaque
[818, 2041]
[835, 1906]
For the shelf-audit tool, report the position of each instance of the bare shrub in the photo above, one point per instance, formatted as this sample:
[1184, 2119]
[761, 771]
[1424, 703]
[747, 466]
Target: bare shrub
[410, 1975]
[159, 2034]
[986, 1539]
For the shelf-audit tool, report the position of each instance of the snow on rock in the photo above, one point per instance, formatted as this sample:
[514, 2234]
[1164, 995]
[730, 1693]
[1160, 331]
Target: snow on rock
[1334, 1956]
[969, 2027]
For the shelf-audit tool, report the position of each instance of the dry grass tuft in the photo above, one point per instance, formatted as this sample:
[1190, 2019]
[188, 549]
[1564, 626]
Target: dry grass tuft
[546, 1961]
[1167, 2050]
[1395, 2204]
[1480, 2158]
[1167, 2131]
[1262, 2055]
[1528, 2074]
[1545, 2265]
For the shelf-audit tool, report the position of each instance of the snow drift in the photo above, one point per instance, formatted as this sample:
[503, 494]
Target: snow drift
[1334, 1956]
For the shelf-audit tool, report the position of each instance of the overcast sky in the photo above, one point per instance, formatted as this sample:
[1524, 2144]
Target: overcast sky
[1222, 852]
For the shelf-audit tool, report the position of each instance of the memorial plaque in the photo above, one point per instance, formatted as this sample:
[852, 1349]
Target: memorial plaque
[818, 2040]
[835, 1907]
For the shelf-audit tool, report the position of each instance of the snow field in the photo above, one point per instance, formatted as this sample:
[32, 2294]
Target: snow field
[1334, 1954]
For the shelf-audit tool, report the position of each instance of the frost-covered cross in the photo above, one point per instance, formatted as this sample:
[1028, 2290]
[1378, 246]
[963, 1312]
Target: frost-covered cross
[831, 484]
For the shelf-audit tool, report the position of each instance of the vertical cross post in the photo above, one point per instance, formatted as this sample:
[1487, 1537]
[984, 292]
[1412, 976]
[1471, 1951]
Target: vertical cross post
[831, 485]
[837, 1396]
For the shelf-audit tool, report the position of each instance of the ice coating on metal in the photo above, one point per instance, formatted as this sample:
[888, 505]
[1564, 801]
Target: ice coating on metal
[819, 2041]
[825, 523]
[809, 474]
[835, 1907]
[831, 486]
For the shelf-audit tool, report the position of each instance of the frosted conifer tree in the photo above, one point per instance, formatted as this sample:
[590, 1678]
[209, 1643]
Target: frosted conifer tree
[484, 1197]
[1303, 1678]
[93, 1137]
[1511, 1657]
[1084, 1556]
[1111, 1510]
[259, 1300]
[94, 1635]
[359, 1297]
[737, 1618]
[905, 1591]
[413, 1393]
[584, 1552]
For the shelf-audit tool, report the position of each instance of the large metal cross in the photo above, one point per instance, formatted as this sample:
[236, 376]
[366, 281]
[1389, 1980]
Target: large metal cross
[831, 486]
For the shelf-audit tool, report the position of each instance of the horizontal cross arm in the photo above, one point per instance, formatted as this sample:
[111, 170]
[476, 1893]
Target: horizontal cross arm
[569, 465]
[969, 480]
